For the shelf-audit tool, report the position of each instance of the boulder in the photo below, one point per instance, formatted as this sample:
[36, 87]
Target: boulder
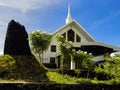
[16, 41]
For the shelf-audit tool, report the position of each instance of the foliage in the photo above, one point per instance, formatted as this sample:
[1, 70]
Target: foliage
[65, 50]
[103, 71]
[39, 41]
[6, 65]
[68, 53]
[115, 67]
[111, 68]
[82, 59]
[21, 67]
[60, 78]
[56, 77]
[77, 71]
[89, 64]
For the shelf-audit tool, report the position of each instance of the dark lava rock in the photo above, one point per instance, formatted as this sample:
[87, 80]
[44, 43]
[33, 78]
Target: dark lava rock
[16, 41]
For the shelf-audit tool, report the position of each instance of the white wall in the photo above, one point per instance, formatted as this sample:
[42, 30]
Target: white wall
[49, 54]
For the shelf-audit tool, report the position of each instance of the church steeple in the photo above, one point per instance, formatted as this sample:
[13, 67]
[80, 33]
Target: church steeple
[69, 18]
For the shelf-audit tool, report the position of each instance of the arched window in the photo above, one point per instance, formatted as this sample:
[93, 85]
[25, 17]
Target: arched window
[71, 35]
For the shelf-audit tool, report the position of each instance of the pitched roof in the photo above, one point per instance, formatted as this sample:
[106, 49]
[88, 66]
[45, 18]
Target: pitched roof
[80, 29]
[91, 40]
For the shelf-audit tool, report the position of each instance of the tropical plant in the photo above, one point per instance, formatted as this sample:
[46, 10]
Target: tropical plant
[77, 71]
[39, 42]
[111, 68]
[115, 68]
[83, 60]
[88, 64]
[68, 53]
[65, 50]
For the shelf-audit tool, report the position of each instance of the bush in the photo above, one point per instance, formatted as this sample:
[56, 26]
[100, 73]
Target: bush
[110, 68]
[20, 67]
[77, 71]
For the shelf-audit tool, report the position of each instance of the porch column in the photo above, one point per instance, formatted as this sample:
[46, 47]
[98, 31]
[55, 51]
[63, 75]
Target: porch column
[75, 37]
[72, 65]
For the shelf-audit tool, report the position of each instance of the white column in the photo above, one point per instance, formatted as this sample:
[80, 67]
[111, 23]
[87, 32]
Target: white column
[75, 37]
[72, 65]
[67, 36]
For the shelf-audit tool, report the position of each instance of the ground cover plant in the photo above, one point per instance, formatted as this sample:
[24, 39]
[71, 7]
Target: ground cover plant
[26, 68]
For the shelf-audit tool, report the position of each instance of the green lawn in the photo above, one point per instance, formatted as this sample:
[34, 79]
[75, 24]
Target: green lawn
[56, 77]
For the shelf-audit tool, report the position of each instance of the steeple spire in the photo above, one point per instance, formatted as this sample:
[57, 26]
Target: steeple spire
[69, 18]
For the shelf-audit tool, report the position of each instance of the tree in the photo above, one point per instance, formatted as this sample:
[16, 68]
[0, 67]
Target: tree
[40, 42]
[88, 63]
[68, 53]
[65, 50]
[83, 59]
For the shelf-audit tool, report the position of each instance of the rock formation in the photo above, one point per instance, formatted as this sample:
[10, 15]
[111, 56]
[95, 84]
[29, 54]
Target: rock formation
[16, 41]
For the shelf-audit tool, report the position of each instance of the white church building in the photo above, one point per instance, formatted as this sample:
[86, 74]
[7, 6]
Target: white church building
[82, 40]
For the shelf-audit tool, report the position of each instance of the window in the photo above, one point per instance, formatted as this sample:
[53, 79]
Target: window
[64, 35]
[52, 60]
[71, 35]
[53, 48]
[78, 39]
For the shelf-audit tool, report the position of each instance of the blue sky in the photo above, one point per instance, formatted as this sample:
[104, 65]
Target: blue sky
[101, 18]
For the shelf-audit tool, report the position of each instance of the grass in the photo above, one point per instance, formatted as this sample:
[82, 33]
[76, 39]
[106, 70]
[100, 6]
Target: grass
[59, 78]
[12, 81]
[24, 69]
[21, 68]
[65, 79]
[56, 77]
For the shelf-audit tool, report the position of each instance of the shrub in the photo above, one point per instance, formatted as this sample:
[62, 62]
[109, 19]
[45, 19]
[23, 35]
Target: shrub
[20, 67]
[111, 68]
[77, 71]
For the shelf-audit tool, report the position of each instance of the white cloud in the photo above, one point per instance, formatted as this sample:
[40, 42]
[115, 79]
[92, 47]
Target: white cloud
[25, 5]
[2, 23]
[9, 9]
[1, 49]
[2, 35]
